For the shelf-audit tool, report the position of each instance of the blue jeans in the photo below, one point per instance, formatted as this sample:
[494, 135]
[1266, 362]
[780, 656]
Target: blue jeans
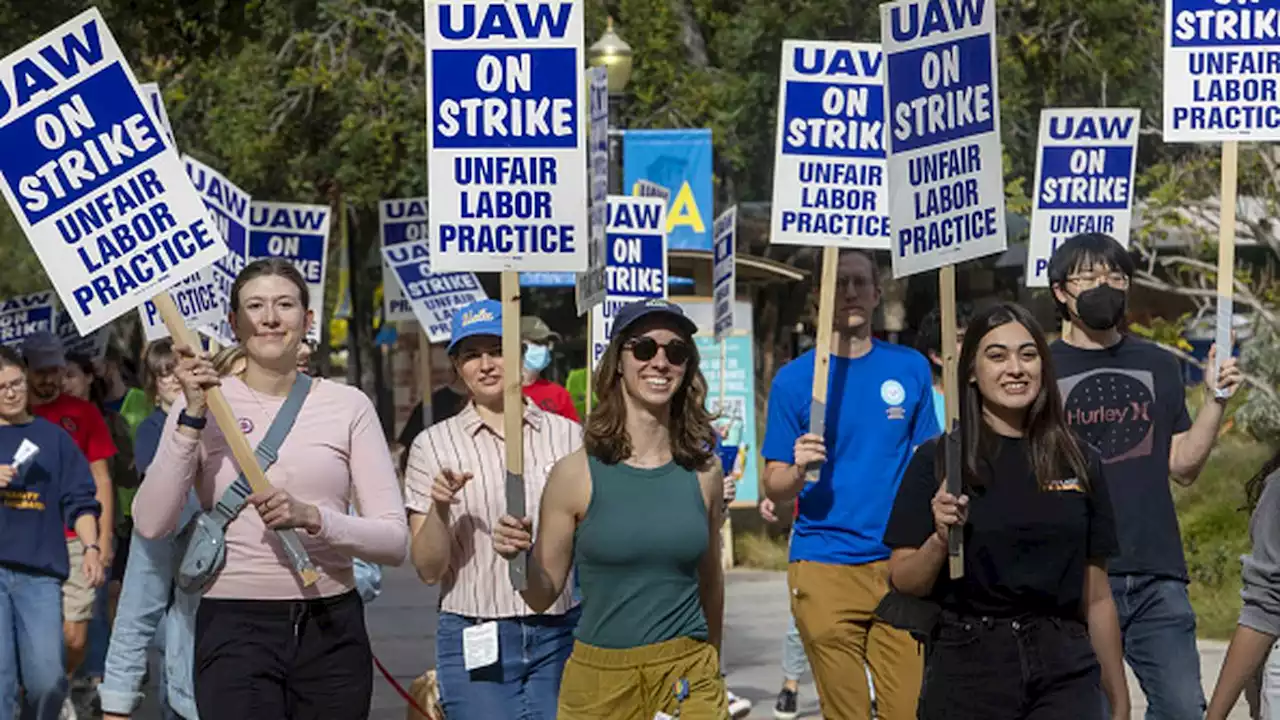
[525, 682]
[1159, 631]
[95, 660]
[31, 644]
[794, 662]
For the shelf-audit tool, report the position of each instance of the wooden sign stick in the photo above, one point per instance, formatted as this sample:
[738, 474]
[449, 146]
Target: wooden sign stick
[225, 417]
[591, 351]
[1226, 255]
[513, 415]
[822, 349]
[424, 368]
[951, 390]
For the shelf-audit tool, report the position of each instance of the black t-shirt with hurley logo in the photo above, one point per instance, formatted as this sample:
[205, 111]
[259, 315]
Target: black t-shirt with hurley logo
[1128, 401]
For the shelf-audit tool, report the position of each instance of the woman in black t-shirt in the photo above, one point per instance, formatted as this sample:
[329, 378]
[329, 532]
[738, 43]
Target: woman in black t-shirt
[1030, 631]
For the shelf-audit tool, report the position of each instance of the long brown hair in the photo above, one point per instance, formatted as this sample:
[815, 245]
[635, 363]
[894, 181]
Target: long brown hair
[692, 437]
[1052, 446]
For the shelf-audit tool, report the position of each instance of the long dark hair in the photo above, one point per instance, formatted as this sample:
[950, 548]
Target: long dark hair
[1052, 446]
[692, 437]
[1253, 489]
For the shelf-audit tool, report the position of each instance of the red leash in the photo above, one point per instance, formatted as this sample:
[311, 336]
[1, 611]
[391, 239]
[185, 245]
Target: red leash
[400, 689]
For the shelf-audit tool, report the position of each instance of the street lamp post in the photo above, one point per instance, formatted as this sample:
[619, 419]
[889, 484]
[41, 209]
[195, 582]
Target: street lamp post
[614, 54]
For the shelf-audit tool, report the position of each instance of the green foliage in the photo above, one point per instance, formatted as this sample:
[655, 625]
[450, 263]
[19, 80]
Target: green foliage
[1260, 414]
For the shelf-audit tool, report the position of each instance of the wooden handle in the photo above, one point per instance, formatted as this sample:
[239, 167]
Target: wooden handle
[822, 348]
[513, 415]
[223, 415]
[951, 391]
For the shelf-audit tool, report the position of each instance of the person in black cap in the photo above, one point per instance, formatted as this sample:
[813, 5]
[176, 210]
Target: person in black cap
[638, 512]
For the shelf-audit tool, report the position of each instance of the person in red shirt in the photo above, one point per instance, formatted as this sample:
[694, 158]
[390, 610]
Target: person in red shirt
[46, 366]
[538, 339]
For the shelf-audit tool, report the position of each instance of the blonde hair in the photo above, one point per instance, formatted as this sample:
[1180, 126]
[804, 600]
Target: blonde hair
[230, 360]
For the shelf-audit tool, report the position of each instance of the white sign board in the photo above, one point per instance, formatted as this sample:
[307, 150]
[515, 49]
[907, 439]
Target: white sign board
[829, 167]
[1221, 70]
[25, 315]
[946, 178]
[299, 234]
[434, 298]
[506, 135]
[155, 102]
[399, 221]
[724, 273]
[589, 288]
[97, 188]
[93, 345]
[1084, 181]
[637, 262]
[229, 208]
[198, 299]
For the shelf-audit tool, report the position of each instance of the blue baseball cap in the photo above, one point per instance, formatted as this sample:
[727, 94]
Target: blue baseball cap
[483, 317]
[630, 313]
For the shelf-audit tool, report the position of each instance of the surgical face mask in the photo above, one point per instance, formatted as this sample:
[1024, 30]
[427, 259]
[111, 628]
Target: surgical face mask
[537, 357]
[1101, 308]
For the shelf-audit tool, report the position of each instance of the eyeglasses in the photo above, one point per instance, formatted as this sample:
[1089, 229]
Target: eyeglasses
[14, 387]
[646, 349]
[1117, 280]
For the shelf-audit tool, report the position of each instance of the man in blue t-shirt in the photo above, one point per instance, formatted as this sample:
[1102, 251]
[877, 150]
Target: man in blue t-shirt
[1125, 397]
[879, 408]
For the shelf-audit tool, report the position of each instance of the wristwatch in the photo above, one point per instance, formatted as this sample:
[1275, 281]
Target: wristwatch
[195, 423]
[87, 548]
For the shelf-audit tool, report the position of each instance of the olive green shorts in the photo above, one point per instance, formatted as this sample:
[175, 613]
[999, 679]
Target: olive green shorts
[638, 683]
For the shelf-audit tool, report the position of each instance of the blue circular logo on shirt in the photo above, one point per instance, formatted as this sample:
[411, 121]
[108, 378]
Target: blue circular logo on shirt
[892, 392]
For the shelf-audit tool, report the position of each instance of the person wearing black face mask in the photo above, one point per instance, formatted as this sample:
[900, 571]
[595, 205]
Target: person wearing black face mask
[1125, 397]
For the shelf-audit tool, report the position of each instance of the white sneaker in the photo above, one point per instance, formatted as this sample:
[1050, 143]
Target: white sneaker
[739, 707]
[68, 710]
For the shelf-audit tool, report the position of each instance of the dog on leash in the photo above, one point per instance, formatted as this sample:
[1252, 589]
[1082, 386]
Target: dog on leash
[425, 691]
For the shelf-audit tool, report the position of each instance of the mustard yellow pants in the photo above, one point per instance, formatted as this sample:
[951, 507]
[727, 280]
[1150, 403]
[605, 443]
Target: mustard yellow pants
[637, 683]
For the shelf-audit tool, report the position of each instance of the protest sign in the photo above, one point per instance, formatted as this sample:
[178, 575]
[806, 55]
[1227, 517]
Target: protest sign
[434, 298]
[26, 314]
[829, 167]
[299, 234]
[155, 102]
[506, 135]
[93, 344]
[228, 207]
[1084, 180]
[399, 221]
[197, 297]
[1221, 69]
[946, 179]
[589, 288]
[98, 190]
[724, 271]
[677, 165]
[648, 188]
[637, 262]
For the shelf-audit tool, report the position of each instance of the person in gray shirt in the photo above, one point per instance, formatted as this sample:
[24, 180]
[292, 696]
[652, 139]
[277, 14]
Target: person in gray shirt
[1259, 626]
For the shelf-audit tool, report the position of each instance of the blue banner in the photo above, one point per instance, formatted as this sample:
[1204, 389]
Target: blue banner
[736, 421]
[680, 160]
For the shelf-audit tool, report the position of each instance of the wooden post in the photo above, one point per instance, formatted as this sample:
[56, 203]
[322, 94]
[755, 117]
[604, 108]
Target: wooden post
[951, 390]
[513, 415]
[1226, 257]
[591, 351]
[822, 348]
[424, 369]
[225, 417]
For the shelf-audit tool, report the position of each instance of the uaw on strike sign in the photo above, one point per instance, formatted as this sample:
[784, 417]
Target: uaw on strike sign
[506, 135]
[95, 184]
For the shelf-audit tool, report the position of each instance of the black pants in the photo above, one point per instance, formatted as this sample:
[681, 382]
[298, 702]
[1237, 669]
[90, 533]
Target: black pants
[283, 660]
[1035, 668]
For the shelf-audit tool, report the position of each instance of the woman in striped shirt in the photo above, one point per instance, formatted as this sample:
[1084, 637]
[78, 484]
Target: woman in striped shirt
[496, 657]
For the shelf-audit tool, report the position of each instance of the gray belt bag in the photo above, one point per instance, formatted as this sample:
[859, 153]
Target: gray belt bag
[206, 541]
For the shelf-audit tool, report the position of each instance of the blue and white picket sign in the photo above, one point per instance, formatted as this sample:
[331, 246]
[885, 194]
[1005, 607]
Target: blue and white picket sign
[97, 188]
[25, 315]
[92, 345]
[589, 288]
[506, 135]
[637, 262]
[198, 298]
[1221, 70]
[829, 167]
[946, 179]
[399, 221]
[433, 297]
[300, 234]
[155, 102]
[1084, 180]
[229, 208]
[724, 272]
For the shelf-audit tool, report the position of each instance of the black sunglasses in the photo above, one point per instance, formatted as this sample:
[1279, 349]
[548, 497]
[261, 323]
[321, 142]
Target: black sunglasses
[646, 348]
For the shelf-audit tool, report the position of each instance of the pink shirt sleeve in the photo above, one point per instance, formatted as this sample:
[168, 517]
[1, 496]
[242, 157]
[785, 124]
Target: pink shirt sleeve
[170, 477]
[380, 533]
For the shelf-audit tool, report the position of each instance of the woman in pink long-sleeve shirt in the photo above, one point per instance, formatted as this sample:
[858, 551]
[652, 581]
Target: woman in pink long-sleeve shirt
[266, 647]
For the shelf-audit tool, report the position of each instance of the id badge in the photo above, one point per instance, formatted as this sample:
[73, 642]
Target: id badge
[480, 645]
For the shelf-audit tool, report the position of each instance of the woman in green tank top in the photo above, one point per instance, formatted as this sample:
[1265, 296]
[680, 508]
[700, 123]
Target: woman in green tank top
[638, 513]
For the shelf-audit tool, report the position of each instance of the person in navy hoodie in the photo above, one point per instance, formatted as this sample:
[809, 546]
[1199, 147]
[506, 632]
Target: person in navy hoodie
[45, 486]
